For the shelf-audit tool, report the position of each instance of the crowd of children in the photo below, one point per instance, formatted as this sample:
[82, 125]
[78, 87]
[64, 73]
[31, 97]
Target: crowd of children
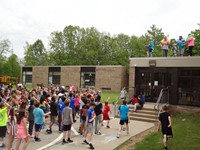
[21, 108]
[23, 113]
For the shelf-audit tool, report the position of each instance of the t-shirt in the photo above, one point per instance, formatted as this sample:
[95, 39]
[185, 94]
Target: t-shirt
[106, 109]
[163, 117]
[61, 106]
[180, 43]
[3, 117]
[135, 100]
[165, 44]
[151, 45]
[53, 109]
[66, 113]
[90, 114]
[38, 114]
[72, 103]
[98, 108]
[77, 103]
[124, 112]
[191, 41]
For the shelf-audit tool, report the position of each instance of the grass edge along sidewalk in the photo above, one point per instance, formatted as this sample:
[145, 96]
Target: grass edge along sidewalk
[186, 135]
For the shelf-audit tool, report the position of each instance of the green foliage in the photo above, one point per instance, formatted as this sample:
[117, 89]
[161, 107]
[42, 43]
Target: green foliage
[10, 66]
[88, 46]
[157, 35]
[5, 47]
[196, 50]
[35, 54]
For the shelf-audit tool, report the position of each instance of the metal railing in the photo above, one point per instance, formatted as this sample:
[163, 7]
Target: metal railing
[162, 99]
[116, 103]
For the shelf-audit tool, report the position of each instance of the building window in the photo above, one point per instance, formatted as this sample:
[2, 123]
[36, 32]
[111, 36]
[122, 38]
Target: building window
[88, 77]
[188, 86]
[27, 75]
[54, 75]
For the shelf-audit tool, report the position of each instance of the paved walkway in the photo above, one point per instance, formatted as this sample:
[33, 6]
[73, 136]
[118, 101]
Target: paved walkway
[106, 141]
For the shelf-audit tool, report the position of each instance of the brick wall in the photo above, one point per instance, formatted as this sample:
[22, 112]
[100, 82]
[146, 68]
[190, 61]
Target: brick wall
[110, 77]
[131, 81]
[40, 75]
[70, 75]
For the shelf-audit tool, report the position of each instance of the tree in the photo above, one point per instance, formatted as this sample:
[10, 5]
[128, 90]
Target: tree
[12, 66]
[157, 35]
[196, 34]
[5, 47]
[35, 54]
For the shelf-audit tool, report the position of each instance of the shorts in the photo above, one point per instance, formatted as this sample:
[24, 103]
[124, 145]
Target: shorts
[67, 127]
[77, 108]
[123, 121]
[3, 130]
[181, 51]
[167, 131]
[90, 128]
[83, 121]
[53, 118]
[38, 127]
[150, 50]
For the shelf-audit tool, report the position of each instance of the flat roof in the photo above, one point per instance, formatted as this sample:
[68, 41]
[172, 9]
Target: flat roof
[165, 61]
[79, 66]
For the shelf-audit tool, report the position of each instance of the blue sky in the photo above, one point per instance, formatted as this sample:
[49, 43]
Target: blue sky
[29, 20]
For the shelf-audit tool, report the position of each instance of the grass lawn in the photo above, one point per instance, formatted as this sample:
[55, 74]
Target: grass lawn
[186, 130]
[113, 96]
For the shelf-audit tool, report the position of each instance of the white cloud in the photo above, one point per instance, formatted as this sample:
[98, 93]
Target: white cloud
[23, 20]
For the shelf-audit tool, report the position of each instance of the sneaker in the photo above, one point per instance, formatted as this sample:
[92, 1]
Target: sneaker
[108, 126]
[165, 148]
[3, 145]
[99, 133]
[64, 141]
[37, 139]
[95, 132]
[117, 135]
[91, 146]
[85, 142]
[69, 140]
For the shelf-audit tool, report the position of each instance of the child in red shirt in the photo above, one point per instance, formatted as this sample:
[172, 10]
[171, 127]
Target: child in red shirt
[105, 113]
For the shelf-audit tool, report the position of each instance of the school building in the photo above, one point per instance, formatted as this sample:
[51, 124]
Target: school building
[148, 75]
[111, 78]
[180, 74]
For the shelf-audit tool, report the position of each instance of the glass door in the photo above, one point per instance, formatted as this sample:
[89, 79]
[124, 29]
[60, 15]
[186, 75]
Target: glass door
[150, 81]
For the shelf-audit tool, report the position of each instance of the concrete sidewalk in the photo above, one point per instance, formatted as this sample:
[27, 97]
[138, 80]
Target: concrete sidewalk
[108, 138]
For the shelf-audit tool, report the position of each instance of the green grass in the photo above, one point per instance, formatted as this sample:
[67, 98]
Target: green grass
[186, 130]
[104, 95]
[113, 96]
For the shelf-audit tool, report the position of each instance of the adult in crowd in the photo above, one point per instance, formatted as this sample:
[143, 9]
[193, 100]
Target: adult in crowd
[190, 43]
[165, 46]
[181, 47]
[150, 48]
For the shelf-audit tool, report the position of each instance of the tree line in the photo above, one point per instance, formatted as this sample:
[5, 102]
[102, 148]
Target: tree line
[85, 46]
